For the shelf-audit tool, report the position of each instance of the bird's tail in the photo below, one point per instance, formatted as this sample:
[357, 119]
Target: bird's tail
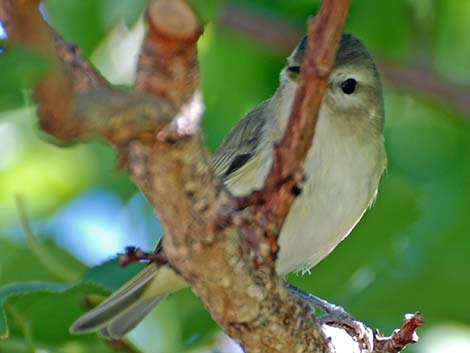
[125, 308]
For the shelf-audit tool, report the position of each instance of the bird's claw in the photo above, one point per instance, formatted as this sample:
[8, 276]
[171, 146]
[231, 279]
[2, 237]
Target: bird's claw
[340, 318]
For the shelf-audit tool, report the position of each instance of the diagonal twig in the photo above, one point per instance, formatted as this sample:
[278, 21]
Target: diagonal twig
[248, 300]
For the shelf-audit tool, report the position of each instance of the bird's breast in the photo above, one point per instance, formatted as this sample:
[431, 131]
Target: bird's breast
[342, 171]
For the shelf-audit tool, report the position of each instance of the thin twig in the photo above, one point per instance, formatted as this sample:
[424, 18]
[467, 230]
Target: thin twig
[323, 37]
[400, 337]
[251, 303]
[133, 254]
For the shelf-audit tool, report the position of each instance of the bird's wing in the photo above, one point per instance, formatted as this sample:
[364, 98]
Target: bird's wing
[240, 145]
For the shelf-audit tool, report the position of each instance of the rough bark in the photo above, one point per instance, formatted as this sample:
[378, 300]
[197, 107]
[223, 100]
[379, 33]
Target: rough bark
[224, 247]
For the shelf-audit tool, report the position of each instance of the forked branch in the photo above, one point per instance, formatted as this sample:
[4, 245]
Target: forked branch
[230, 265]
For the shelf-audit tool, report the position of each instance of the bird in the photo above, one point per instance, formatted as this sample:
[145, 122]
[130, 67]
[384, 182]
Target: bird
[342, 169]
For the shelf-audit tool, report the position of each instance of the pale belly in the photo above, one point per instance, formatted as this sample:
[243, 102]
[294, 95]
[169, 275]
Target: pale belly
[342, 180]
[342, 176]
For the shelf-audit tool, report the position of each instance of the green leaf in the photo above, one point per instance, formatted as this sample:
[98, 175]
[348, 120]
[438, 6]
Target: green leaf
[18, 264]
[21, 68]
[384, 26]
[127, 10]
[296, 11]
[11, 100]
[205, 10]
[42, 311]
[252, 77]
[198, 327]
[69, 17]
[451, 44]
[22, 289]
[111, 275]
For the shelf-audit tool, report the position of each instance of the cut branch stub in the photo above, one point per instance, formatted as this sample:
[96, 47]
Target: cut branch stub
[168, 62]
[249, 302]
[174, 20]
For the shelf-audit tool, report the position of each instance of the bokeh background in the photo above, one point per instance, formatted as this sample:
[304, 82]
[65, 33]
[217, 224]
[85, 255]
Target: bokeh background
[74, 211]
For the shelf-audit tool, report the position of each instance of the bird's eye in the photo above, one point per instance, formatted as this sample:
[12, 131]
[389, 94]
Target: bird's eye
[294, 69]
[349, 85]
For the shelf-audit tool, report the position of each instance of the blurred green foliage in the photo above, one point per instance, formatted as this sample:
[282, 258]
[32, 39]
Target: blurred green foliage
[410, 252]
[20, 68]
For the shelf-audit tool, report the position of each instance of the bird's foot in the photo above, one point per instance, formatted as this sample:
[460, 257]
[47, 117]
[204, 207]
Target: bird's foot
[336, 316]
[341, 319]
[319, 303]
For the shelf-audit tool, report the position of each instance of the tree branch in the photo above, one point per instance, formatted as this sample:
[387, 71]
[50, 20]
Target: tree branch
[398, 340]
[168, 61]
[323, 37]
[25, 26]
[74, 100]
[84, 76]
[230, 265]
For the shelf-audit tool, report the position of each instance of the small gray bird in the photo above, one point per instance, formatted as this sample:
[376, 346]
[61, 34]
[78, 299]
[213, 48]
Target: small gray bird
[342, 170]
